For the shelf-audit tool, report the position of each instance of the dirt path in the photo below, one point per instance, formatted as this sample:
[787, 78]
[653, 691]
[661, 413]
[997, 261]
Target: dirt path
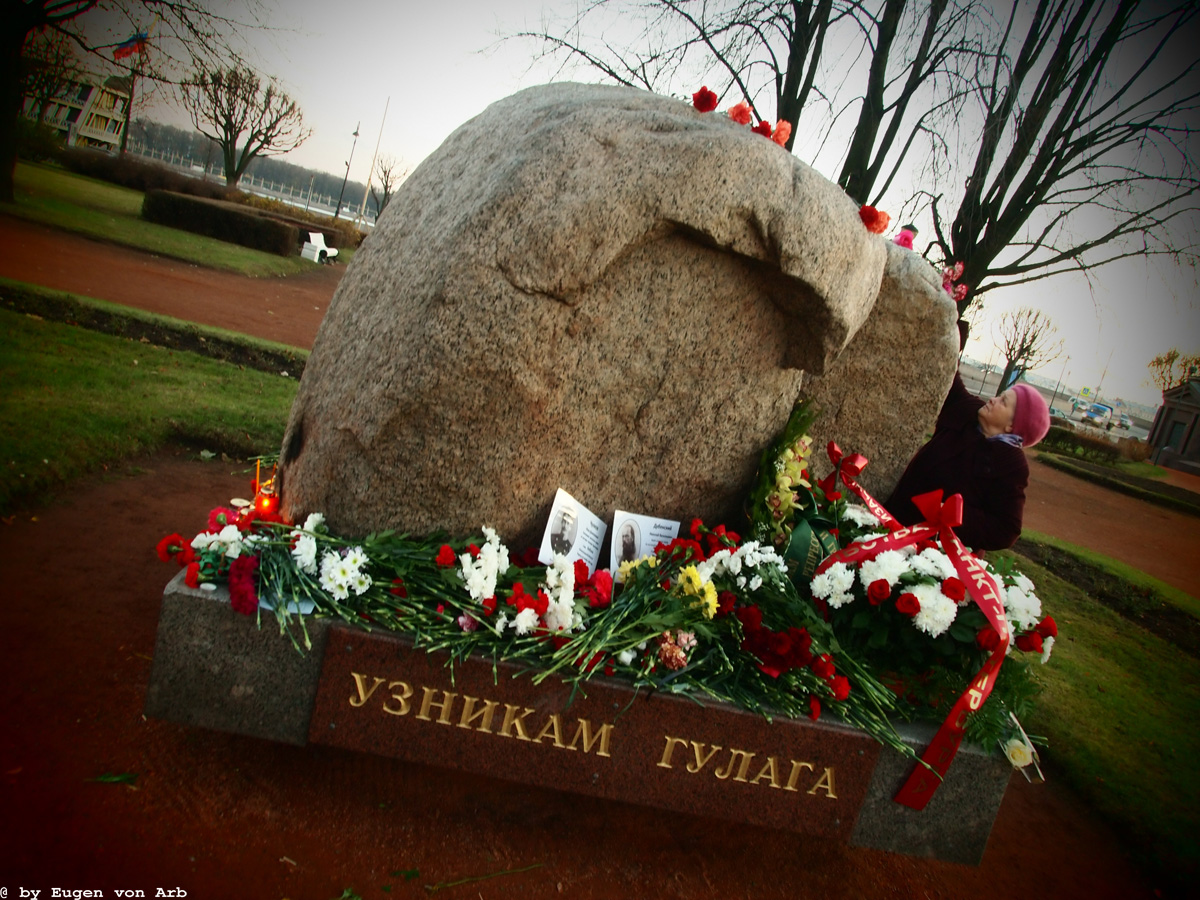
[231, 817]
[287, 310]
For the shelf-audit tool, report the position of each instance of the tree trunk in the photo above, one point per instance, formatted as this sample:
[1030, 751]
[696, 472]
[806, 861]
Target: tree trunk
[13, 29]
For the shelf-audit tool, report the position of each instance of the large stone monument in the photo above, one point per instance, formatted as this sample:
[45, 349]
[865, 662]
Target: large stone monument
[603, 290]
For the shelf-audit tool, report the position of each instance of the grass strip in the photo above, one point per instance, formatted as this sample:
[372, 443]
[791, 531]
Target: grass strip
[74, 400]
[1119, 707]
[162, 331]
[1116, 484]
[112, 213]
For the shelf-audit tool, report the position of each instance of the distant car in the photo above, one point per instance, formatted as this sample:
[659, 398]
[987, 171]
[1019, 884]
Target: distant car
[1125, 422]
[1057, 413]
[1098, 414]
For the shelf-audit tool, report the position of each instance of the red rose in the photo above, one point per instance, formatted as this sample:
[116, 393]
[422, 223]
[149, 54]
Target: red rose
[763, 128]
[1030, 643]
[814, 708]
[704, 100]
[878, 591]
[169, 546]
[954, 589]
[987, 639]
[908, 604]
[841, 687]
[192, 577]
[1047, 628]
[445, 557]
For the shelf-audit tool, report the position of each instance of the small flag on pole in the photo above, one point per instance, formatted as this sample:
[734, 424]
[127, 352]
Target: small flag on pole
[135, 44]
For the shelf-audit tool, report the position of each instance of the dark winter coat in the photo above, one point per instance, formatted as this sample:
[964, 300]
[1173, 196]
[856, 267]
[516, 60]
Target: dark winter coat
[990, 475]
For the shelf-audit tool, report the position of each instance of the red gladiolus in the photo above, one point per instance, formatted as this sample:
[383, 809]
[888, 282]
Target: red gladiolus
[876, 220]
[878, 591]
[814, 708]
[1030, 643]
[446, 557]
[783, 131]
[954, 589]
[763, 128]
[987, 639]
[908, 604]
[1047, 628]
[192, 576]
[740, 113]
[704, 100]
[841, 687]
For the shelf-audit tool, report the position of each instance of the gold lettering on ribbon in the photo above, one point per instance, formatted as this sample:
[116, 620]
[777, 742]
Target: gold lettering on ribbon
[794, 775]
[401, 698]
[734, 753]
[701, 763]
[514, 723]
[469, 715]
[767, 771]
[825, 782]
[584, 730]
[446, 706]
[672, 743]
[363, 694]
[552, 728]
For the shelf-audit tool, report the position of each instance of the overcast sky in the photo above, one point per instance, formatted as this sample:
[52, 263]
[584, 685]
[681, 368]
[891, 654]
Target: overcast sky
[435, 65]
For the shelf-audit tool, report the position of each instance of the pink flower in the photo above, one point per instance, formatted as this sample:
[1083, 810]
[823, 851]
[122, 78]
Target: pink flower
[783, 131]
[740, 113]
[904, 239]
[704, 100]
[467, 622]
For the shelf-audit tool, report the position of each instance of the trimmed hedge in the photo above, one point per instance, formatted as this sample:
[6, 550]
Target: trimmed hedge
[138, 174]
[1083, 446]
[338, 233]
[223, 221]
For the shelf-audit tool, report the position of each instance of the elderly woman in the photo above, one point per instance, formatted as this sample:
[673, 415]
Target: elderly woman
[976, 451]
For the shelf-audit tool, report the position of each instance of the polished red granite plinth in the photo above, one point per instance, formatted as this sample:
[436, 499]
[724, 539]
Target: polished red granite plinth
[378, 695]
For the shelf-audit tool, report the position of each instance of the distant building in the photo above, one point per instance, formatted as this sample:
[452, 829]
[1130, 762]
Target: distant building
[88, 112]
[1175, 435]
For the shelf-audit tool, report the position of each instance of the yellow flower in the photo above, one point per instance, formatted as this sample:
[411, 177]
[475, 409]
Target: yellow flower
[626, 568]
[689, 580]
[708, 600]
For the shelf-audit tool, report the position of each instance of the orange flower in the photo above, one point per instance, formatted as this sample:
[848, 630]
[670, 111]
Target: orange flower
[740, 113]
[783, 131]
[876, 220]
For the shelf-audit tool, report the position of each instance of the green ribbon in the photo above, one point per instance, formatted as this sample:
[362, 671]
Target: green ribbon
[811, 542]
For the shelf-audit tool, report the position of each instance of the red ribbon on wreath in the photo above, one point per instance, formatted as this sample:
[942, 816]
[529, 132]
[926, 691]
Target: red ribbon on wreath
[940, 520]
[849, 468]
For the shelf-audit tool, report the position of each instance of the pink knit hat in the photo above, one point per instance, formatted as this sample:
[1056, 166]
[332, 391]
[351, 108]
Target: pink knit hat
[1032, 419]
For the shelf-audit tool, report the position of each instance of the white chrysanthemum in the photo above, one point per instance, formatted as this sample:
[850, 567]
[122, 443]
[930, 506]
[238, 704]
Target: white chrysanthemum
[305, 552]
[228, 541]
[560, 580]
[887, 566]
[860, 516]
[355, 558]
[937, 610]
[479, 573]
[626, 657]
[837, 579]
[501, 621]
[314, 521]
[1022, 582]
[526, 621]
[933, 563]
[1022, 610]
[715, 566]
[361, 583]
[560, 616]
[755, 583]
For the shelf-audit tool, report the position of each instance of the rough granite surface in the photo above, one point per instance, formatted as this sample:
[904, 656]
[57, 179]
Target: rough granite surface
[603, 290]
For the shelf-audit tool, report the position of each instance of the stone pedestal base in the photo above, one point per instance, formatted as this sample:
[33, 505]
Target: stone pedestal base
[373, 692]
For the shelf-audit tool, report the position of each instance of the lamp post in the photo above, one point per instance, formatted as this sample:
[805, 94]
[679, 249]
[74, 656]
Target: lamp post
[342, 192]
[1054, 396]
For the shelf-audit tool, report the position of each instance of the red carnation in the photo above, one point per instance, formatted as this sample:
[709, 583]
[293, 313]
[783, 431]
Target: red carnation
[750, 617]
[740, 113]
[954, 589]
[242, 594]
[192, 577]
[473, 549]
[704, 100]
[876, 220]
[581, 572]
[840, 686]
[526, 558]
[823, 666]
[878, 591]
[726, 600]
[169, 546]
[489, 605]
[783, 131]
[908, 604]
[1030, 643]
[763, 128]
[1047, 628]
[814, 708]
[445, 557]
[602, 581]
[987, 639]
[398, 588]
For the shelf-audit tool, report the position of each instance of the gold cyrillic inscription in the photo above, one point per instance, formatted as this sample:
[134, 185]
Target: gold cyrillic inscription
[737, 767]
[584, 730]
[446, 706]
[401, 698]
[768, 771]
[552, 728]
[826, 784]
[469, 715]
[794, 775]
[363, 693]
[514, 722]
[734, 754]
[700, 763]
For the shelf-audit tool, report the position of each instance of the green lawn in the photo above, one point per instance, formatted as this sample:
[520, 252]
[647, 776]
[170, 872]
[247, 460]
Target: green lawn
[75, 399]
[111, 213]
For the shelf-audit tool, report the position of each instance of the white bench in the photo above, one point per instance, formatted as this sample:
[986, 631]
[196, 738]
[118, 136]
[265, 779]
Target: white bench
[316, 249]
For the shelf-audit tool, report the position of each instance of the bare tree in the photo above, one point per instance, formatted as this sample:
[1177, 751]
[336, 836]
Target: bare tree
[48, 66]
[1167, 370]
[227, 104]
[1027, 339]
[775, 56]
[389, 174]
[187, 32]
[1086, 154]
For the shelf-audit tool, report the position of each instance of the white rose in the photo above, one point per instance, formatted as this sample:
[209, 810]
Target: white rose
[1019, 753]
